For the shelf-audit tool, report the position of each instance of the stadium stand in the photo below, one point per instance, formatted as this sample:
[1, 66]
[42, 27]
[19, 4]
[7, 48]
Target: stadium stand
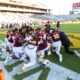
[13, 13]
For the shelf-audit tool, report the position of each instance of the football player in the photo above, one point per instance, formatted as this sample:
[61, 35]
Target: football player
[56, 43]
[67, 43]
[17, 48]
[43, 46]
[30, 51]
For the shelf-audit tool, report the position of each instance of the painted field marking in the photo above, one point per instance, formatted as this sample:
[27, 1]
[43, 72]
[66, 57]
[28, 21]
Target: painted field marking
[9, 68]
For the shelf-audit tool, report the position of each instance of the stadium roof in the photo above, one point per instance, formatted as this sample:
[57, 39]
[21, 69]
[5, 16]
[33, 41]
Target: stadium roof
[40, 5]
[37, 6]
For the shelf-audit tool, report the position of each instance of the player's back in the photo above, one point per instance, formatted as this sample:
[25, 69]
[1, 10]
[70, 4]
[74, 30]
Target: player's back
[64, 38]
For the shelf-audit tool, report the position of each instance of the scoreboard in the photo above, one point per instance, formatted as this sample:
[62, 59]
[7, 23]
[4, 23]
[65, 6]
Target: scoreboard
[75, 8]
[76, 5]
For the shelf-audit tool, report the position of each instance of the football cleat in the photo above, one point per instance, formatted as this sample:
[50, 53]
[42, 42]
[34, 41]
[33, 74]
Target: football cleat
[21, 69]
[49, 53]
[7, 59]
[60, 58]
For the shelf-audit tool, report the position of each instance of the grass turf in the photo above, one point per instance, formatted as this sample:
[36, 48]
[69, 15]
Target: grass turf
[70, 28]
[2, 36]
[69, 61]
[64, 27]
[43, 75]
[9, 68]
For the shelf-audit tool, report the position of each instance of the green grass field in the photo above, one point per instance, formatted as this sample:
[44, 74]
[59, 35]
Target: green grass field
[71, 28]
[65, 27]
[69, 61]
[2, 36]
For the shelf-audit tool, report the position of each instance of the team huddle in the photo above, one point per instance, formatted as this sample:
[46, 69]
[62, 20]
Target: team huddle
[29, 44]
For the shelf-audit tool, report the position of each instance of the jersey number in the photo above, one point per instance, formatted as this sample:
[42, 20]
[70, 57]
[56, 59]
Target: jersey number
[56, 36]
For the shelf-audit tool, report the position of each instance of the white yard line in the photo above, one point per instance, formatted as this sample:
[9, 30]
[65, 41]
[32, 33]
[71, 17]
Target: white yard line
[34, 76]
[58, 72]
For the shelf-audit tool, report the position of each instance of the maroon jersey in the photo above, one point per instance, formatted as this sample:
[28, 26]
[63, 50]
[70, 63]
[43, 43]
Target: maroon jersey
[49, 38]
[7, 35]
[42, 45]
[35, 39]
[38, 32]
[10, 39]
[55, 36]
[17, 39]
